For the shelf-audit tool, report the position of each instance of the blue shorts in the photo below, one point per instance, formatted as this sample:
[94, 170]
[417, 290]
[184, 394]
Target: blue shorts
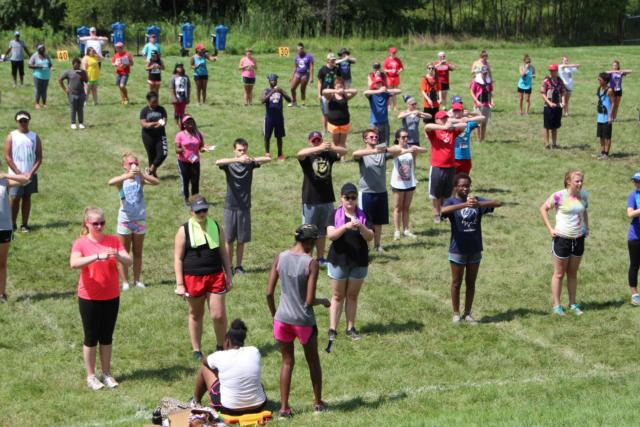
[272, 126]
[376, 207]
[122, 79]
[338, 272]
[25, 190]
[464, 259]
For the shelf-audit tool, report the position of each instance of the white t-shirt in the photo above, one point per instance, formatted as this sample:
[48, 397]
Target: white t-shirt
[566, 75]
[96, 44]
[23, 151]
[239, 372]
[403, 175]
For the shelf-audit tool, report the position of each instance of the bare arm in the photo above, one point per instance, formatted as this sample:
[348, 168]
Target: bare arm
[544, 213]
[271, 286]
[178, 254]
[358, 154]
[226, 262]
[633, 213]
[118, 180]
[8, 155]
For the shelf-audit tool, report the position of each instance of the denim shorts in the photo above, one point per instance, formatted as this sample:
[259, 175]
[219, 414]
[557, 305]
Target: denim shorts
[338, 272]
[464, 259]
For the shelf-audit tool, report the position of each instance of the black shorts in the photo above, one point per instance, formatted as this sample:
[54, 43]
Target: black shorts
[440, 182]
[563, 248]
[205, 77]
[431, 111]
[17, 67]
[444, 86]
[376, 207]
[605, 130]
[249, 80]
[273, 126]
[402, 190]
[617, 93]
[6, 236]
[216, 402]
[154, 77]
[520, 90]
[552, 117]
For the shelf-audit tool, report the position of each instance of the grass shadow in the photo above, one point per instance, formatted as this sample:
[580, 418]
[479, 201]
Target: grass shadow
[431, 232]
[413, 244]
[361, 402]
[621, 155]
[603, 305]
[511, 314]
[268, 348]
[168, 373]
[491, 190]
[392, 328]
[171, 176]
[258, 269]
[40, 296]
[582, 147]
[385, 258]
[55, 224]
[500, 141]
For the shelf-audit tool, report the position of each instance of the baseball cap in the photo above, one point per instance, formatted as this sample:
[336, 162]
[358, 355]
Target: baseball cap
[199, 46]
[553, 67]
[636, 177]
[307, 232]
[441, 53]
[40, 46]
[21, 116]
[185, 118]
[348, 188]
[457, 106]
[314, 136]
[441, 115]
[272, 77]
[119, 44]
[199, 205]
[92, 29]
[17, 33]
[392, 49]
[331, 56]
[456, 100]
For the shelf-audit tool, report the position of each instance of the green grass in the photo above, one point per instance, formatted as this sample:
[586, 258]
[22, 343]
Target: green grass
[520, 366]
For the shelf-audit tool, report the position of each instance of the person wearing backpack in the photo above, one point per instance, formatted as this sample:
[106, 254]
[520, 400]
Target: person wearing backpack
[553, 93]
[606, 101]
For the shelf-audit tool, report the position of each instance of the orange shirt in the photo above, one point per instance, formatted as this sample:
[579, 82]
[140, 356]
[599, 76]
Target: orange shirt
[431, 90]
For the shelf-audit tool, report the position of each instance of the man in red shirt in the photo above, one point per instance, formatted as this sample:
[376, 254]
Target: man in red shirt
[392, 67]
[442, 71]
[123, 61]
[442, 135]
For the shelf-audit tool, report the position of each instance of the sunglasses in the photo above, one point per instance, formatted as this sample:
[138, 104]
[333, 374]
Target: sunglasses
[372, 137]
[201, 211]
[350, 197]
[97, 223]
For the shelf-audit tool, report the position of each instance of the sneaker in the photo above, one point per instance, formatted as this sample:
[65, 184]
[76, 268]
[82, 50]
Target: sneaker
[353, 334]
[635, 299]
[379, 249]
[576, 309]
[437, 219]
[292, 104]
[332, 334]
[602, 157]
[3, 298]
[287, 413]
[125, 286]
[470, 320]
[197, 355]
[396, 235]
[73, 126]
[321, 407]
[140, 285]
[81, 126]
[408, 233]
[109, 381]
[558, 310]
[25, 228]
[281, 158]
[94, 383]
[238, 270]
[322, 262]
[456, 318]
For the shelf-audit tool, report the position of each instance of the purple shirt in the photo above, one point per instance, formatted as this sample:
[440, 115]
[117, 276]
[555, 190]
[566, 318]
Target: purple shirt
[303, 63]
[616, 81]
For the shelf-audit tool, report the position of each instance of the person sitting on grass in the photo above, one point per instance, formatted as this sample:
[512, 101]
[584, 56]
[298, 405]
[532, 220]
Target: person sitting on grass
[232, 376]
[237, 203]
[295, 318]
[465, 213]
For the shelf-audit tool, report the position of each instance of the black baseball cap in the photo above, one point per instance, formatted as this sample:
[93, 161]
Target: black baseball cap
[199, 204]
[348, 188]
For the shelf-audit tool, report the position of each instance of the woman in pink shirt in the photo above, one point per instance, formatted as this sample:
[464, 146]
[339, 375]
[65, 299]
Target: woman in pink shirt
[97, 255]
[189, 144]
[248, 67]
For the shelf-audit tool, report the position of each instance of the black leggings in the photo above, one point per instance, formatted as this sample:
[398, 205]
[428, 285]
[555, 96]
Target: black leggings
[156, 149]
[267, 145]
[98, 320]
[634, 262]
[189, 173]
[17, 67]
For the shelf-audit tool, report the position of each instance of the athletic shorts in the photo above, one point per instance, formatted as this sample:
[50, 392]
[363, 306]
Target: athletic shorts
[287, 333]
[125, 228]
[384, 132]
[464, 259]
[318, 214]
[563, 248]
[393, 81]
[249, 80]
[273, 127]
[617, 93]
[520, 90]
[26, 190]
[154, 78]
[122, 79]
[6, 236]
[463, 166]
[336, 129]
[431, 111]
[605, 130]
[552, 117]
[402, 190]
[444, 86]
[211, 284]
[485, 110]
[376, 207]
[204, 77]
[303, 77]
[216, 402]
[237, 225]
[324, 105]
[93, 82]
[339, 272]
[440, 182]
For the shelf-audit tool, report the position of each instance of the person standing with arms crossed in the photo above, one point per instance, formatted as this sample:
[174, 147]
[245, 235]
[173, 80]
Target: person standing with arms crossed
[326, 80]
[431, 94]
[23, 154]
[566, 72]
[553, 94]
[18, 50]
[392, 67]
[301, 75]
[482, 93]
[525, 83]
[94, 41]
[274, 116]
[443, 67]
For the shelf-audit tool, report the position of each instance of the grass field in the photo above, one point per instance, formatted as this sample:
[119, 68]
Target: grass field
[520, 366]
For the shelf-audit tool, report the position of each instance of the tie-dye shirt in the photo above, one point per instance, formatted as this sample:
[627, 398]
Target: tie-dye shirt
[570, 212]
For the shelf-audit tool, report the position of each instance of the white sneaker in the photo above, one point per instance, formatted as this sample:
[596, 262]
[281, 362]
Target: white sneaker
[396, 235]
[109, 381]
[73, 126]
[379, 249]
[140, 285]
[408, 233]
[125, 286]
[470, 320]
[456, 318]
[80, 126]
[93, 383]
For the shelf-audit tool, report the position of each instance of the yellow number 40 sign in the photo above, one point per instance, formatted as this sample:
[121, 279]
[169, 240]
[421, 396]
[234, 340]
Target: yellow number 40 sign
[62, 55]
[283, 51]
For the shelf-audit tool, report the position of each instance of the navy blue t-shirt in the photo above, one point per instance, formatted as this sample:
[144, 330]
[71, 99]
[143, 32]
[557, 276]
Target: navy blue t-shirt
[274, 105]
[466, 231]
[378, 104]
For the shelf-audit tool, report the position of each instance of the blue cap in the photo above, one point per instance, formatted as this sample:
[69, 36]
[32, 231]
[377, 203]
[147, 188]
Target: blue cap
[456, 100]
[636, 177]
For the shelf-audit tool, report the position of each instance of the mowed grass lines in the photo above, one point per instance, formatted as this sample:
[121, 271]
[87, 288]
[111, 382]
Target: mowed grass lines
[520, 366]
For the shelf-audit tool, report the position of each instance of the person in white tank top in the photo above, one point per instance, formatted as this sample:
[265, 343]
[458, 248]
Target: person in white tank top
[23, 153]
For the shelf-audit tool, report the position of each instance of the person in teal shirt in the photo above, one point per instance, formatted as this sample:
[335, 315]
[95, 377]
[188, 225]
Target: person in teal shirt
[41, 66]
[151, 46]
[527, 74]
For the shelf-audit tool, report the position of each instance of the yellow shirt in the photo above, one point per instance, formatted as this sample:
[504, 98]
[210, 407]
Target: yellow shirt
[93, 68]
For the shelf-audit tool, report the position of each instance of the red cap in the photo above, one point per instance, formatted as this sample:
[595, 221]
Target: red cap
[392, 49]
[457, 106]
[375, 82]
[441, 115]
[553, 67]
[200, 46]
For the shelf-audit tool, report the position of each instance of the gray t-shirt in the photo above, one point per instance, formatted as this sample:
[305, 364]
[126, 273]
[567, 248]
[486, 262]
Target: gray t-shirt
[17, 50]
[293, 270]
[74, 77]
[373, 173]
[239, 178]
[412, 125]
[5, 210]
[132, 205]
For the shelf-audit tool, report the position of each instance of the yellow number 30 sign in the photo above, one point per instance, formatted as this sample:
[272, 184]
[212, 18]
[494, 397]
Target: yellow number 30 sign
[283, 51]
[62, 55]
